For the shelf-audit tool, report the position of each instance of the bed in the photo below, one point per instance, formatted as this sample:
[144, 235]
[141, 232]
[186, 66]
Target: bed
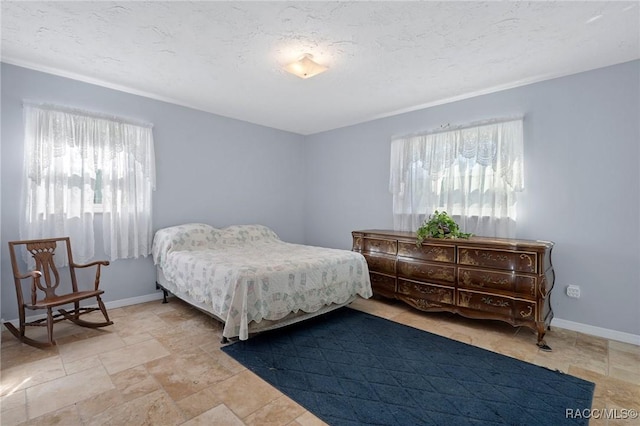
[252, 281]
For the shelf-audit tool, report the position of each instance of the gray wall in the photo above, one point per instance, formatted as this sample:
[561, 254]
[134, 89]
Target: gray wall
[582, 182]
[582, 178]
[210, 169]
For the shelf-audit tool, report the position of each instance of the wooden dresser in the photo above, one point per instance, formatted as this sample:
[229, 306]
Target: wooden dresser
[488, 278]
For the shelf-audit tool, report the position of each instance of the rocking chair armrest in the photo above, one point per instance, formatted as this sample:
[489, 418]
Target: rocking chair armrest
[30, 274]
[86, 265]
[98, 263]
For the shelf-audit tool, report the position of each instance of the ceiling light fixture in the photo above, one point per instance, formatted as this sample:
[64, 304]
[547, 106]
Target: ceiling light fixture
[305, 67]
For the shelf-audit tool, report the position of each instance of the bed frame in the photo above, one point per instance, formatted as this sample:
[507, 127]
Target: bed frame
[168, 288]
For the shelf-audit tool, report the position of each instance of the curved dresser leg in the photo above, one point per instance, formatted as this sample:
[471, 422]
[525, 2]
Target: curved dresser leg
[541, 332]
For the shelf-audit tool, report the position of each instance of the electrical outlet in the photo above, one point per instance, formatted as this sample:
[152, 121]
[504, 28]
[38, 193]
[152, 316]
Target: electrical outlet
[573, 291]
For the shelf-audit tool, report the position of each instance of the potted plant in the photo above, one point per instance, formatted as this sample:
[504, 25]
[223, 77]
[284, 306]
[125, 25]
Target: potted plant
[439, 225]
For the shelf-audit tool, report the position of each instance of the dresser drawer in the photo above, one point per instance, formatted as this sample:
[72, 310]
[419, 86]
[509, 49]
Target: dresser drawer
[475, 278]
[507, 307]
[500, 305]
[432, 293]
[501, 259]
[429, 252]
[432, 272]
[383, 284]
[525, 311]
[357, 242]
[379, 245]
[381, 263]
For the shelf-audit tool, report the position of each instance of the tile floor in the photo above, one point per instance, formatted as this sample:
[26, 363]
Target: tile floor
[161, 364]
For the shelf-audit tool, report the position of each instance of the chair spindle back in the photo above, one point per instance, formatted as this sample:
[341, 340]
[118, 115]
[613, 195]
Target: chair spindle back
[43, 252]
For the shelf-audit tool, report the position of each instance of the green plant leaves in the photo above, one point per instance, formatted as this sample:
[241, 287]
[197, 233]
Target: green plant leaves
[439, 225]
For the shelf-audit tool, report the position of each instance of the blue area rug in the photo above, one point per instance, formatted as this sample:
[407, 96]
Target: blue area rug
[351, 368]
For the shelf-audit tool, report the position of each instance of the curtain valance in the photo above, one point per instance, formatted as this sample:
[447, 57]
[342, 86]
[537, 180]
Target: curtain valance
[495, 144]
[96, 139]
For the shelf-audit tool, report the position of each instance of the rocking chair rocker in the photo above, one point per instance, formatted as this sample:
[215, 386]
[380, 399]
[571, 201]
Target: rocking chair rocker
[46, 279]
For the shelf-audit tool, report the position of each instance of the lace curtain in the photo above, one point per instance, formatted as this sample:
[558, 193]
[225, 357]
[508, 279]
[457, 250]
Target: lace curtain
[65, 150]
[473, 173]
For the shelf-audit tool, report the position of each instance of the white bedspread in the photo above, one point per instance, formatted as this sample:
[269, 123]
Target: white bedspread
[246, 273]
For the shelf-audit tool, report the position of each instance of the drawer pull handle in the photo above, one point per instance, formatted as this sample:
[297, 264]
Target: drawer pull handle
[527, 257]
[524, 314]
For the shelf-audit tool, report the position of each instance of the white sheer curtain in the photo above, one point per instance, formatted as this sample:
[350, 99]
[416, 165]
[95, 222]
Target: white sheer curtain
[64, 150]
[472, 172]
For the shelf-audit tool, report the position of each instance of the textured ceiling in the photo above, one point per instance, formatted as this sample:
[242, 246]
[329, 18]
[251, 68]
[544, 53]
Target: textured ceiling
[383, 57]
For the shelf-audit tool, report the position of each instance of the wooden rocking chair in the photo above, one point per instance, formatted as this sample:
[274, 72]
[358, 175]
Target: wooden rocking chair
[45, 279]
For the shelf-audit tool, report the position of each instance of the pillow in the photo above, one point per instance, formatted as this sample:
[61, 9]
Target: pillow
[190, 236]
[245, 234]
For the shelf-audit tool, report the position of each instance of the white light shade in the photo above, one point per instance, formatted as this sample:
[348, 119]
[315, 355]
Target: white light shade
[305, 67]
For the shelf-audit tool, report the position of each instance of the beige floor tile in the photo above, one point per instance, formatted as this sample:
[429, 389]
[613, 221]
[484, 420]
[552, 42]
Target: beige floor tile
[29, 374]
[422, 321]
[82, 364]
[131, 356]
[522, 349]
[155, 306]
[155, 408]
[13, 400]
[80, 349]
[129, 385]
[116, 313]
[7, 338]
[14, 416]
[621, 415]
[187, 340]
[219, 415]
[281, 411]
[55, 394]
[135, 382]
[14, 408]
[308, 419]
[16, 353]
[67, 416]
[136, 338]
[624, 347]
[374, 306]
[199, 402]
[213, 349]
[623, 373]
[552, 362]
[139, 323]
[245, 393]
[622, 394]
[624, 360]
[97, 404]
[592, 345]
[186, 372]
[560, 339]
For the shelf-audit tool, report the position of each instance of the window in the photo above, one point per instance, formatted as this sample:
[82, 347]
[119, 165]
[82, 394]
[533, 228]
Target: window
[78, 163]
[97, 192]
[471, 172]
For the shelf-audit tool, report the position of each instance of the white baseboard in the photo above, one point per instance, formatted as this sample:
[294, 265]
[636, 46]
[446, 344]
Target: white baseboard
[620, 336]
[606, 333]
